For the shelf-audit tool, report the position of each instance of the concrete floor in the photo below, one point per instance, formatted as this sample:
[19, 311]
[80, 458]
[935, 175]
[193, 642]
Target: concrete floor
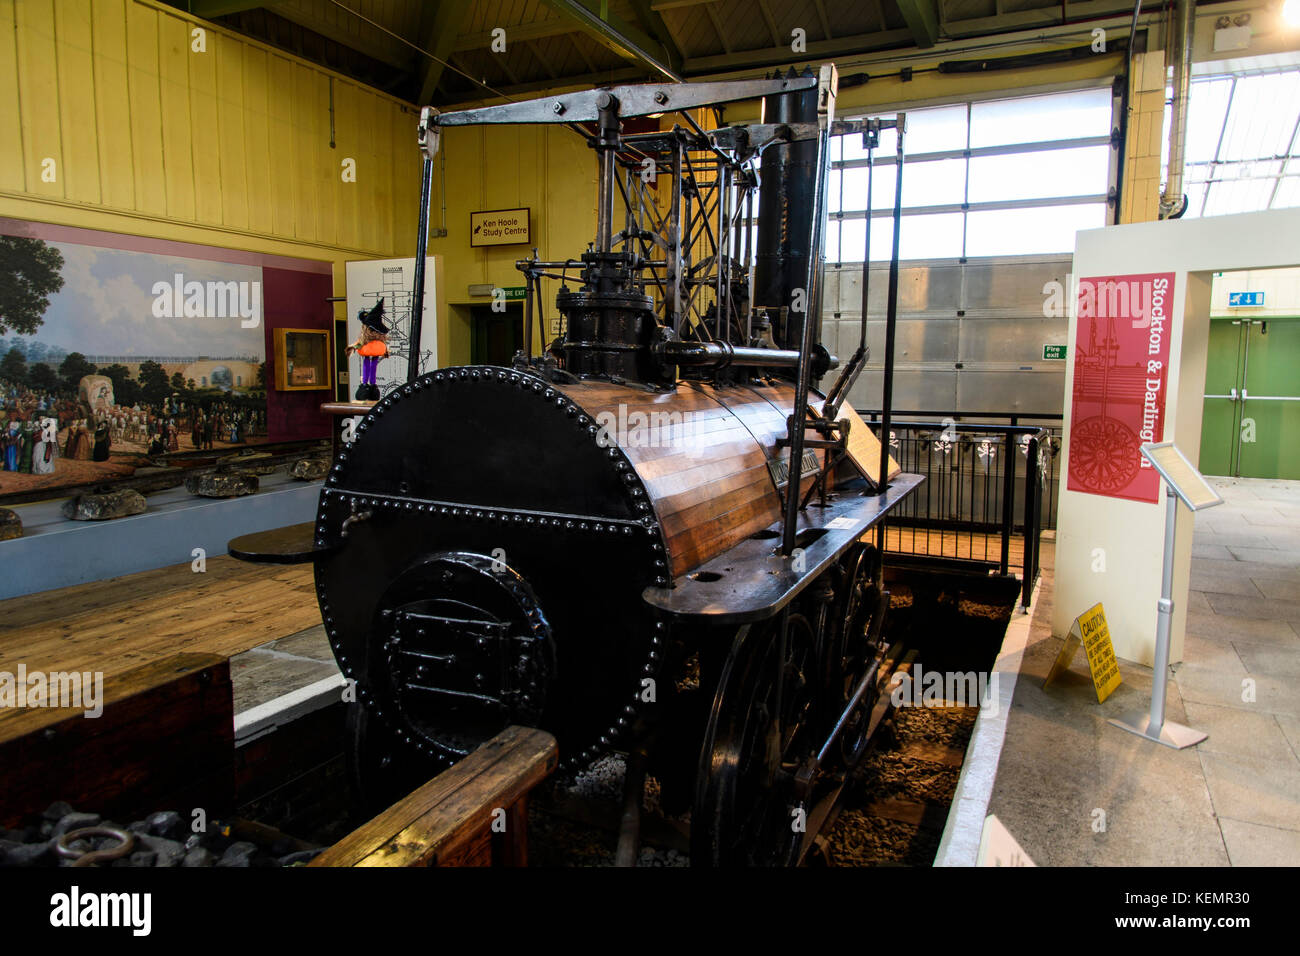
[1074, 790]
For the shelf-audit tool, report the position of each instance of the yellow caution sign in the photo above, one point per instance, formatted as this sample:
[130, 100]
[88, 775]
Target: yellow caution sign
[1090, 630]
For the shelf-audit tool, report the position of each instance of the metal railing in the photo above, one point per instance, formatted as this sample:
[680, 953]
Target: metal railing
[987, 486]
[914, 421]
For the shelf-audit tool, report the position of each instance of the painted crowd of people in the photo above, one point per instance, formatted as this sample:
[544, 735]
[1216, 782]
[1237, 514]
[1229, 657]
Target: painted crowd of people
[32, 420]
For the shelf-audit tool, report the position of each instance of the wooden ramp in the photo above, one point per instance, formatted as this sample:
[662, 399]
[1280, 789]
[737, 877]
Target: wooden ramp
[474, 814]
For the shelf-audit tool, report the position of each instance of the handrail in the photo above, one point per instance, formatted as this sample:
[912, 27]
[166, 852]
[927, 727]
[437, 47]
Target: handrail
[871, 413]
[970, 497]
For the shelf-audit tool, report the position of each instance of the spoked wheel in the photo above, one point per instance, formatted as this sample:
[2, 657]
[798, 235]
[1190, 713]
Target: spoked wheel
[858, 620]
[1101, 454]
[761, 729]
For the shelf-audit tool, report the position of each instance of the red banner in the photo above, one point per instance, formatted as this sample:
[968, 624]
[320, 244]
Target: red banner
[1121, 375]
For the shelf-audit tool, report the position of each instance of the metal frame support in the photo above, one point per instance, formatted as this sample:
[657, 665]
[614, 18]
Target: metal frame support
[827, 86]
[891, 312]
[1152, 724]
[427, 137]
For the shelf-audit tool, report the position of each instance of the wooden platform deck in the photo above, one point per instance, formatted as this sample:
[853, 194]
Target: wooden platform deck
[118, 625]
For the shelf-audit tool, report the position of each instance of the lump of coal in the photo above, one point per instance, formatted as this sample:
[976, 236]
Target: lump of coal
[114, 504]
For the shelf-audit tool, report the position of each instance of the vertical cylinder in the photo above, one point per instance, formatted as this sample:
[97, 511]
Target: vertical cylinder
[789, 177]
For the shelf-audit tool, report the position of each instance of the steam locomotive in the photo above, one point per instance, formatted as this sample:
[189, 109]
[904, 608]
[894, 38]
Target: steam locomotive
[611, 541]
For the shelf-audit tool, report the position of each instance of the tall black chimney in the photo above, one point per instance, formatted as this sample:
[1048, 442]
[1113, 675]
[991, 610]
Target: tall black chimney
[789, 178]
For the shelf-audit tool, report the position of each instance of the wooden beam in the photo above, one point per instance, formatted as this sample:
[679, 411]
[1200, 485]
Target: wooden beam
[438, 36]
[780, 55]
[574, 38]
[625, 39]
[652, 23]
[211, 9]
[1010, 22]
[368, 40]
[771, 23]
[922, 19]
[717, 27]
[546, 67]
[537, 30]
[826, 23]
[625, 75]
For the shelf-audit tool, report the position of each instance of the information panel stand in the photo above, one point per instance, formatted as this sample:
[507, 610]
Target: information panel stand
[1184, 482]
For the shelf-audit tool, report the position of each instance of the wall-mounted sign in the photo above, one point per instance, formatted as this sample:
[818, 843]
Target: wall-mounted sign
[1236, 299]
[1121, 377]
[498, 227]
[1054, 353]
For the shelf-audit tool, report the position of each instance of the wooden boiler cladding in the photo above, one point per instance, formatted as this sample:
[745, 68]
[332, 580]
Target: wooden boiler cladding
[702, 453]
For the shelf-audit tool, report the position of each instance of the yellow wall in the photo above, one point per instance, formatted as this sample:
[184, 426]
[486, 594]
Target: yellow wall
[548, 169]
[231, 147]
[228, 147]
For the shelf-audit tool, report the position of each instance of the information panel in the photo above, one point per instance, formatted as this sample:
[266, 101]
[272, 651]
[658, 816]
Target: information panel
[1121, 378]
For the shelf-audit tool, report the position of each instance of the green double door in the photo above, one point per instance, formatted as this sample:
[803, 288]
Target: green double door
[1251, 420]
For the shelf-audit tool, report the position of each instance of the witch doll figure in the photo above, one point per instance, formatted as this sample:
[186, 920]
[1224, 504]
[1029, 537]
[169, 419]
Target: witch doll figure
[371, 345]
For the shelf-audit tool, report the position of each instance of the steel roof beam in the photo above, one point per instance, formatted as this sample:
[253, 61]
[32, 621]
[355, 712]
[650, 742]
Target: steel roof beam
[623, 38]
[922, 19]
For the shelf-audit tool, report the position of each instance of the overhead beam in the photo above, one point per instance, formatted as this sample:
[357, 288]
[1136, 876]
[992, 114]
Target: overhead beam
[1041, 17]
[625, 75]
[628, 41]
[771, 22]
[826, 23]
[366, 40]
[780, 55]
[211, 9]
[537, 30]
[546, 67]
[717, 27]
[652, 23]
[438, 36]
[573, 39]
[922, 19]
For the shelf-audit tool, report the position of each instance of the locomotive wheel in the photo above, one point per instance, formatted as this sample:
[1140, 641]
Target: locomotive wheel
[859, 623]
[745, 806]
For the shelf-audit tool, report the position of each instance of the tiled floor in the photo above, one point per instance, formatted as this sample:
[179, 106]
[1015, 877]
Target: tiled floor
[1075, 790]
[280, 667]
[1240, 677]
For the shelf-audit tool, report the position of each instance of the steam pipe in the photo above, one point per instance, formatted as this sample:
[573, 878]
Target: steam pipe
[1172, 204]
[722, 354]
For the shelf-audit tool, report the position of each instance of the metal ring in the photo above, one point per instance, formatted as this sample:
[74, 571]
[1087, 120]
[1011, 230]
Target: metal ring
[91, 857]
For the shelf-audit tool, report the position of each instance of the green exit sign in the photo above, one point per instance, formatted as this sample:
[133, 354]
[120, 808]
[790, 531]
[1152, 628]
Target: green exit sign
[513, 292]
[1054, 353]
